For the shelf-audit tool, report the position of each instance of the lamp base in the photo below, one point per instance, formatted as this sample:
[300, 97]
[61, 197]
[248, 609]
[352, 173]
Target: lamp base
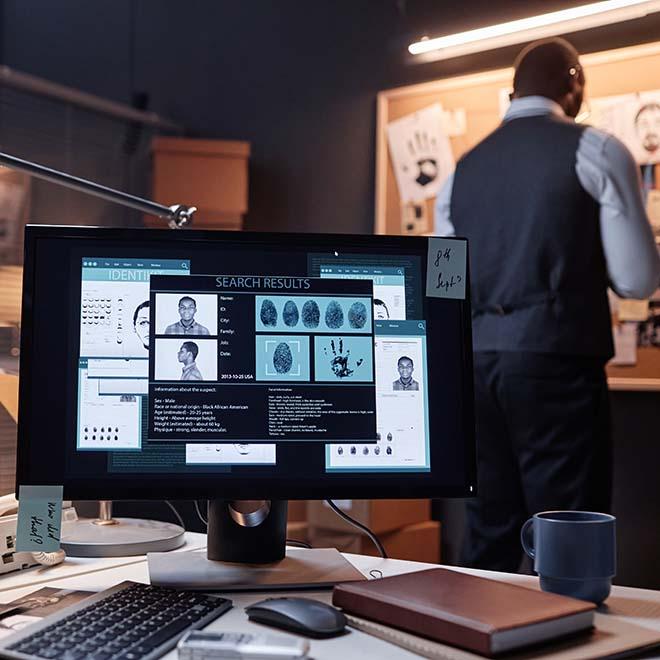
[127, 537]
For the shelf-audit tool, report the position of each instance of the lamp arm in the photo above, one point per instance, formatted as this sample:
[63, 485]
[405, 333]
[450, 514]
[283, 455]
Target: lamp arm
[178, 215]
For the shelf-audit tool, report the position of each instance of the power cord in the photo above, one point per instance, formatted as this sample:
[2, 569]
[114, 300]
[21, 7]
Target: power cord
[358, 525]
[176, 513]
[205, 522]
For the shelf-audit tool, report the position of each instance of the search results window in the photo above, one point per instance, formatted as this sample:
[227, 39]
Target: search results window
[269, 358]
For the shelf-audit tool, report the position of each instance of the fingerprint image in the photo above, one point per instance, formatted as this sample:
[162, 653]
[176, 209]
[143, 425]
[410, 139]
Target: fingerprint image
[334, 315]
[282, 358]
[290, 314]
[357, 315]
[268, 313]
[311, 314]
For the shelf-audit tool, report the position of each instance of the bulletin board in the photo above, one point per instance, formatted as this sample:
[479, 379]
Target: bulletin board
[477, 99]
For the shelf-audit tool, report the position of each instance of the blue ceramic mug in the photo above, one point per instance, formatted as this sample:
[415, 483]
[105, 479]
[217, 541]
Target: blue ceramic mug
[574, 552]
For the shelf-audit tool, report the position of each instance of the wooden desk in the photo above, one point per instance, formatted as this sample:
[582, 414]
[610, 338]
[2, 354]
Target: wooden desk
[639, 606]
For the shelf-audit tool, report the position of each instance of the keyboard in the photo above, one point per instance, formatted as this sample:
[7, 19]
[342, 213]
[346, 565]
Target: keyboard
[127, 622]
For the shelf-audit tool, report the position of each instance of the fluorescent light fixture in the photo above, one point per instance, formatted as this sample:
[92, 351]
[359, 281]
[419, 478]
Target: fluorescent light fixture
[523, 30]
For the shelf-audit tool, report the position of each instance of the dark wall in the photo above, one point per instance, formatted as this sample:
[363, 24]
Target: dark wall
[299, 81]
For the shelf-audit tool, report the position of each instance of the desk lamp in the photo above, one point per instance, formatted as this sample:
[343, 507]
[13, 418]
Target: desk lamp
[106, 536]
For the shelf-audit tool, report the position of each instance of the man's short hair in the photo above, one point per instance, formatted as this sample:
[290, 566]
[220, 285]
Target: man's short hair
[402, 358]
[545, 68]
[192, 300]
[137, 310]
[653, 105]
[191, 347]
[378, 301]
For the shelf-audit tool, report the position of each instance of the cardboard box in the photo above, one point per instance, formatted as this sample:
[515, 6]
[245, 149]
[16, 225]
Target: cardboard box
[379, 515]
[297, 510]
[418, 542]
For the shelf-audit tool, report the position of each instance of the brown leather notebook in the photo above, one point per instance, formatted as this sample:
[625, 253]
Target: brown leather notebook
[485, 616]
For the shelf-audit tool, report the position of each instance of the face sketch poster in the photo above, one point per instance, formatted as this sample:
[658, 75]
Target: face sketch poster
[634, 119]
[420, 152]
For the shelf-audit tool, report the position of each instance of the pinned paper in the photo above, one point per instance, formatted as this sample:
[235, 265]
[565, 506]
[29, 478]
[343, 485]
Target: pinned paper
[39, 518]
[421, 154]
[446, 268]
[653, 209]
[625, 344]
[633, 310]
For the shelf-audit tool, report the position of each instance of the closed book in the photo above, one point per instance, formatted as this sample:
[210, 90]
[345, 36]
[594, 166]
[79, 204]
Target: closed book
[485, 616]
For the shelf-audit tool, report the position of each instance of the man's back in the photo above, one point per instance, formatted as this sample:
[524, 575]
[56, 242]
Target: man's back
[533, 218]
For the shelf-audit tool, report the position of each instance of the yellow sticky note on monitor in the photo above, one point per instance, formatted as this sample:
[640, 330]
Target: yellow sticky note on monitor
[633, 310]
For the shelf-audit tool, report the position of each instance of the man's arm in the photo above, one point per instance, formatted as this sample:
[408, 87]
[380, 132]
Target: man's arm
[443, 225]
[609, 173]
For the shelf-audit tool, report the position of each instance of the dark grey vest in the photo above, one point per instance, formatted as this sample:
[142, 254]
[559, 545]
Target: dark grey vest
[539, 278]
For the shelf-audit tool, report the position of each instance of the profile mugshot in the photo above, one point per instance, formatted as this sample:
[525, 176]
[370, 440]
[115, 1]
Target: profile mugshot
[647, 127]
[405, 381]
[187, 355]
[187, 325]
[141, 323]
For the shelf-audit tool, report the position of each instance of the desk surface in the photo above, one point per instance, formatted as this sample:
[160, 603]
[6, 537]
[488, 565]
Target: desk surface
[639, 606]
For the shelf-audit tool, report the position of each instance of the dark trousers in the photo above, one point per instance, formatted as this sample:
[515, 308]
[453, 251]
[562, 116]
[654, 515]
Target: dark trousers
[543, 443]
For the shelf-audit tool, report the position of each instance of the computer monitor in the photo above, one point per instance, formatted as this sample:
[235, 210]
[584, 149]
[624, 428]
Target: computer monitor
[241, 366]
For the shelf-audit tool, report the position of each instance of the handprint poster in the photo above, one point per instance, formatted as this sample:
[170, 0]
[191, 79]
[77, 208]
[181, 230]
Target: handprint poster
[420, 152]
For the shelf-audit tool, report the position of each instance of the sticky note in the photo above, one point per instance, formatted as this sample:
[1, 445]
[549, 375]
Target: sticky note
[446, 268]
[39, 518]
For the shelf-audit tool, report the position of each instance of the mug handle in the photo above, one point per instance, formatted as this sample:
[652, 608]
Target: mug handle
[527, 538]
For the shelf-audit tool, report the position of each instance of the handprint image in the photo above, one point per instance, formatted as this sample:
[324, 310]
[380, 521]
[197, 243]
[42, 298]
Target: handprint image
[340, 361]
[421, 153]
[423, 150]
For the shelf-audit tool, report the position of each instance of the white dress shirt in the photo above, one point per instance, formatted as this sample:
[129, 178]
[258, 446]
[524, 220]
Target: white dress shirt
[609, 173]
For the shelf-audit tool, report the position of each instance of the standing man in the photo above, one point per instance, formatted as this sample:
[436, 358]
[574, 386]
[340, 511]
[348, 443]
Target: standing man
[187, 355]
[187, 325]
[554, 214]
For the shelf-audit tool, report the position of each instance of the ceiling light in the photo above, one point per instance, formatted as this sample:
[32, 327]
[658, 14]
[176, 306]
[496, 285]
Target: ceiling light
[523, 30]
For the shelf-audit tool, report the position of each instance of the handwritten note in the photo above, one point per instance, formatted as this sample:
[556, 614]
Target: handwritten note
[39, 518]
[446, 270]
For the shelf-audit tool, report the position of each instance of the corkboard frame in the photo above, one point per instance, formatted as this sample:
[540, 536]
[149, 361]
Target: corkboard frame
[620, 71]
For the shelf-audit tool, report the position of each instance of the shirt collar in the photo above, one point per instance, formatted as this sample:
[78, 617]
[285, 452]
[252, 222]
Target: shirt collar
[532, 106]
[189, 367]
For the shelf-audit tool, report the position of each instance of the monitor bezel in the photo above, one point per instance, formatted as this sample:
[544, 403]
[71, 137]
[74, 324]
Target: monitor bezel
[403, 484]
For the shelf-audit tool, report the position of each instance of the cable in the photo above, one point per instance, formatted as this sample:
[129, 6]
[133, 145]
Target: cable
[363, 528]
[298, 544]
[199, 513]
[176, 513]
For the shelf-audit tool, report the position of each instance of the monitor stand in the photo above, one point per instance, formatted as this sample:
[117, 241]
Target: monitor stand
[246, 550]
[247, 531]
[106, 536]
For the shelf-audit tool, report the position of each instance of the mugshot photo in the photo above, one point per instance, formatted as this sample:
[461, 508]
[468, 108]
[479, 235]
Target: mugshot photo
[194, 315]
[406, 382]
[183, 359]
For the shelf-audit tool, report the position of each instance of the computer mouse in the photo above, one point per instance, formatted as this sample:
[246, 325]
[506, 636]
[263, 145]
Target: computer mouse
[302, 615]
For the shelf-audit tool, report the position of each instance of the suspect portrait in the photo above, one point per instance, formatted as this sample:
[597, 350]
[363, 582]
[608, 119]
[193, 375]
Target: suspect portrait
[187, 355]
[187, 325]
[141, 323]
[405, 381]
[647, 127]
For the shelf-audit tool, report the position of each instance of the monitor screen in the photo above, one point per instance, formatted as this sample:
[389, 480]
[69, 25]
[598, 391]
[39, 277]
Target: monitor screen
[190, 364]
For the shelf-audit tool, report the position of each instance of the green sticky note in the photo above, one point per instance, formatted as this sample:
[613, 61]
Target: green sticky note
[446, 268]
[39, 518]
